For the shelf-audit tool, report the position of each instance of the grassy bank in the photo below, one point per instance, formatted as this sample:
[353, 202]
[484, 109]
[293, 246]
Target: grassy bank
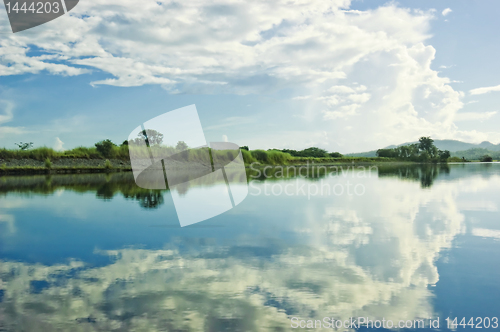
[34, 170]
[43, 153]
[45, 160]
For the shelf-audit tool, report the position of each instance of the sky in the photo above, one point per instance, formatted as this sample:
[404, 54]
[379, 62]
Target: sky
[346, 76]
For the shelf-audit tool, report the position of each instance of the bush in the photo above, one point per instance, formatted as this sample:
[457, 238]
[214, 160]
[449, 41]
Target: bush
[274, 157]
[48, 163]
[122, 152]
[260, 155]
[107, 164]
[455, 160]
[278, 157]
[486, 159]
[247, 157]
[43, 153]
[105, 148]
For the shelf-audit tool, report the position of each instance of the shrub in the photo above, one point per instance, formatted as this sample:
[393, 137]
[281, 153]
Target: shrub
[48, 163]
[181, 146]
[42, 153]
[486, 159]
[260, 155]
[275, 157]
[105, 147]
[247, 157]
[455, 160]
[278, 157]
[122, 152]
[107, 164]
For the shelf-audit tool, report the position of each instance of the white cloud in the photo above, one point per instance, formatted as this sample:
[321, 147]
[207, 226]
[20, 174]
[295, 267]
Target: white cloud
[482, 232]
[58, 144]
[224, 138]
[8, 116]
[471, 116]
[360, 69]
[446, 11]
[480, 91]
[230, 122]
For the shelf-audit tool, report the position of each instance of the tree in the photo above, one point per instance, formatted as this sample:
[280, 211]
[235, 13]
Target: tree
[105, 147]
[153, 137]
[181, 146]
[244, 147]
[125, 142]
[424, 151]
[24, 146]
[426, 144]
[486, 159]
[314, 152]
[444, 155]
[335, 155]
[424, 156]
[387, 153]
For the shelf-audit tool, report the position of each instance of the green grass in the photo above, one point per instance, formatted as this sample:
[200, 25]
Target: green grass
[42, 153]
[62, 170]
[270, 157]
[107, 164]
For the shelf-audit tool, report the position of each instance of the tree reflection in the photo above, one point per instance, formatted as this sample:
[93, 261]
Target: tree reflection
[426, 174]
[147, 200]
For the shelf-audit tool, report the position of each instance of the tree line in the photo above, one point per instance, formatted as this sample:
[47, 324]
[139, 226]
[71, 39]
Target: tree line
[423, 151]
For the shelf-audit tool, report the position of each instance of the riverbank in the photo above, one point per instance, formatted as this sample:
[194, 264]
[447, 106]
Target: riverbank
[29, 166]
[62, 166]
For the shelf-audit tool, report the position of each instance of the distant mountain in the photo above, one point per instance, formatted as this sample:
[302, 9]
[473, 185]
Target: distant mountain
[363, 154]
[444, 144]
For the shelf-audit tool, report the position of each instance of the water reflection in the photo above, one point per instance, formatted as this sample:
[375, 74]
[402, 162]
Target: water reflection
[426, 174]
[276, 257]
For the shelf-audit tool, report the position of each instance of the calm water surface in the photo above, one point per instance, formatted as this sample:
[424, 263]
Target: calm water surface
[95, 253]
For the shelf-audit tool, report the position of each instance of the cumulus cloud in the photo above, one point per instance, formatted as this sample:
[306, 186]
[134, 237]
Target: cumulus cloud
[446, 11]
[321, 49]
[58, 144]
[480, 91]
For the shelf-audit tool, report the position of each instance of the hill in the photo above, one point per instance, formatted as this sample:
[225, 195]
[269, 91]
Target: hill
[476, 154]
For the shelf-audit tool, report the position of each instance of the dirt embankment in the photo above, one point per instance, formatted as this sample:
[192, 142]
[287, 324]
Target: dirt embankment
[64, 162]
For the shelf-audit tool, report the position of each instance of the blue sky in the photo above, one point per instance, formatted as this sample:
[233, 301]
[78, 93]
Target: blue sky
[345, 76]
